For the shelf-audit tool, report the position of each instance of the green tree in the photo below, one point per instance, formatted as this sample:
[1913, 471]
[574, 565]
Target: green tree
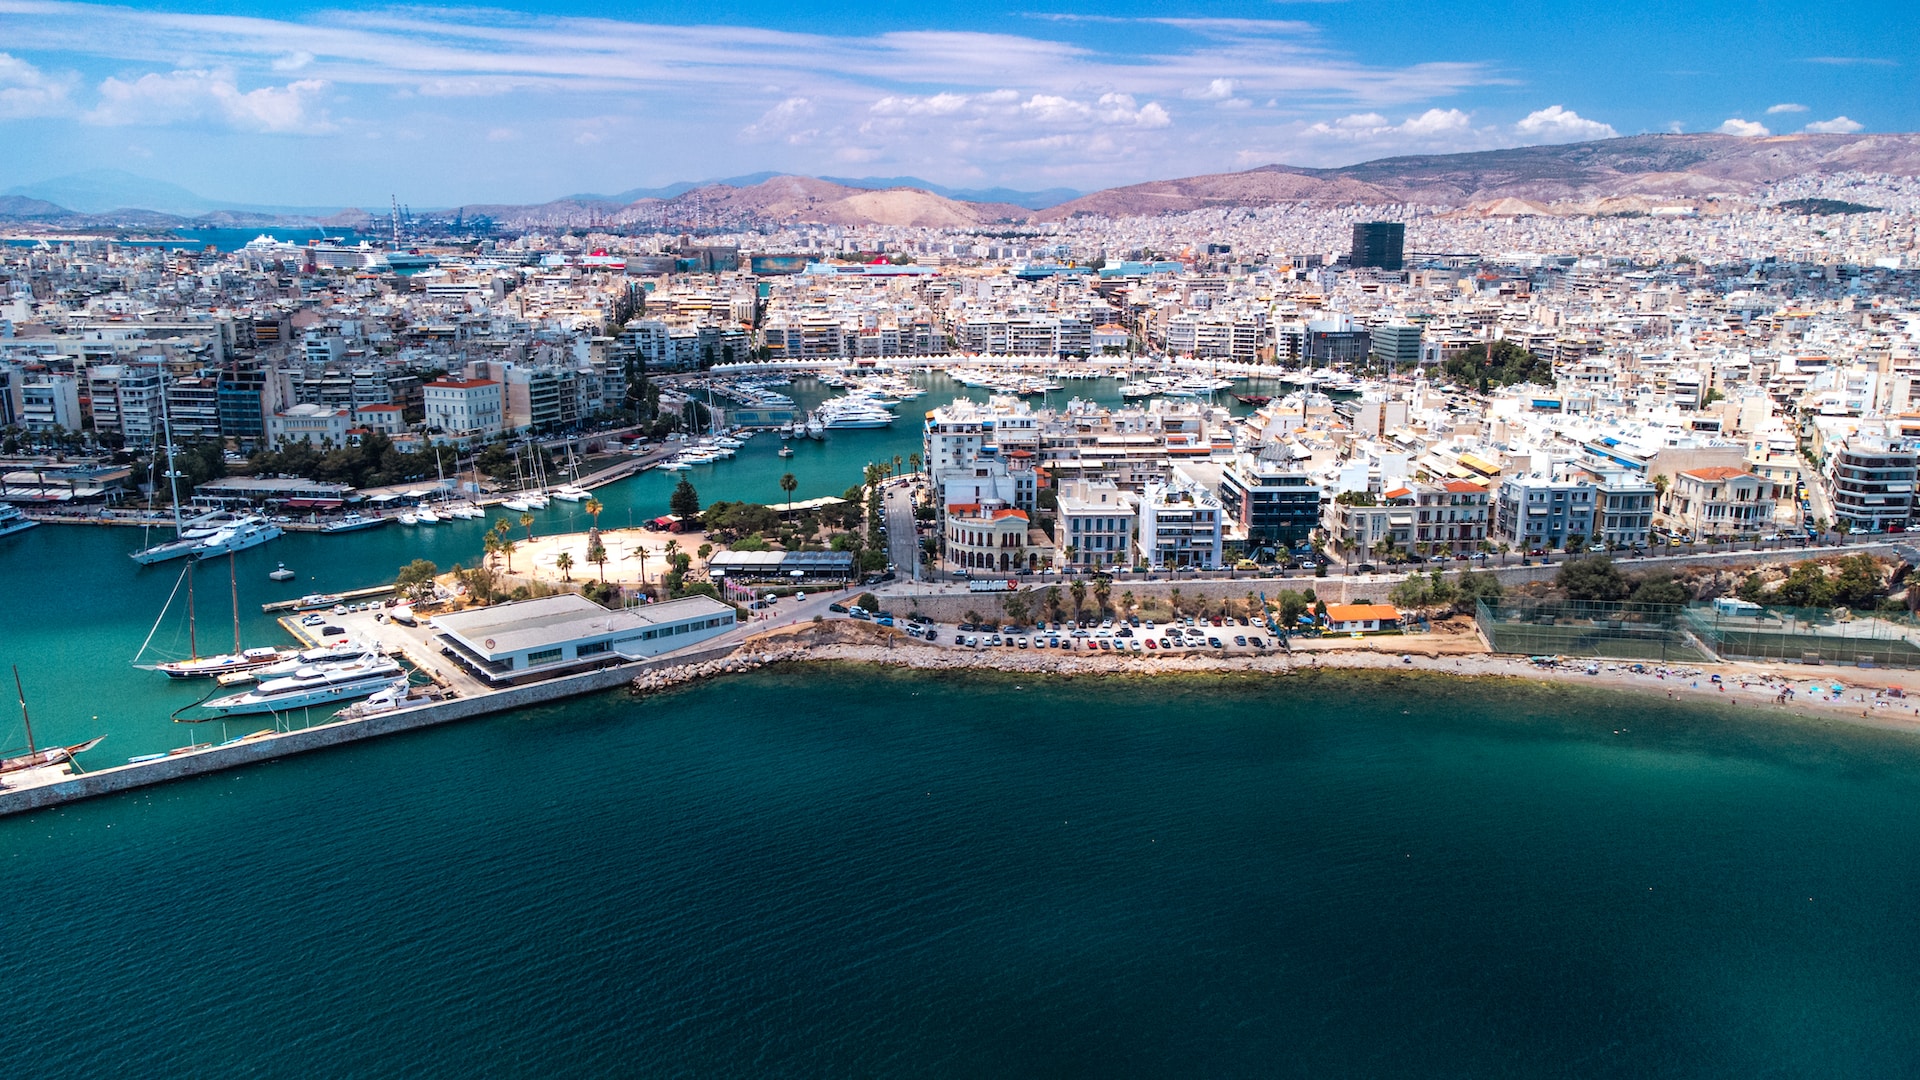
[1079, 591]
[787, 484]
[1017, 608]
[1658, 592]
[685, 501]
[593, 507]
[416, 579]
[565, 565]
[1592, 578]
[526, 522]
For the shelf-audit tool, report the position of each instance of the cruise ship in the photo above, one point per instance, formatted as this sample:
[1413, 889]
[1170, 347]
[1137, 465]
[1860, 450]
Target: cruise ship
[311, 685]
[13, 521]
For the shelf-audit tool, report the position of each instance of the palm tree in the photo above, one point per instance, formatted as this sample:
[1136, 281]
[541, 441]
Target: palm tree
[506, 548]
[597, 553]
[565, 563]
[593, 508]
[526, 522]
[913, 460]
[492, 546]
[788, 484]
[1102, 594]
[640, 552]
[896, 464]
[1079, 591]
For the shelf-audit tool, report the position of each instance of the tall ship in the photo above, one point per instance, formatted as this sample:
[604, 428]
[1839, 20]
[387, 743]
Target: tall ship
[13, 521]
[315, 684]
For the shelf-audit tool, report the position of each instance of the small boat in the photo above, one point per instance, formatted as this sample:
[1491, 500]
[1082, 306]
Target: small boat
[281, 573]
[353, 523]
[36, 758]
[518, 506]
[425, 515]
[409, 518]
[786, 451]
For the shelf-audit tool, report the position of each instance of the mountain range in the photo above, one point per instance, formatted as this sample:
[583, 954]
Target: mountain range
[1632, 172]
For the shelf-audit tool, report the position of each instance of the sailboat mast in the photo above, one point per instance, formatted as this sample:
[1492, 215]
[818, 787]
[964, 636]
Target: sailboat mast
[173, 474]
[24, 719]
[193, 645]
[233, 582]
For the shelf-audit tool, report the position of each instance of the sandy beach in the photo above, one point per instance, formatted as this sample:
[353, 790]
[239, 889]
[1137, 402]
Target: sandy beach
[1886, 699]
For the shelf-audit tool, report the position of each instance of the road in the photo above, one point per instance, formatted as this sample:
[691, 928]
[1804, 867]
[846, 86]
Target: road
[903, 541]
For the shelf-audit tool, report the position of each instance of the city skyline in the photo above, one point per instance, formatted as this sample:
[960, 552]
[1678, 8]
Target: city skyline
[326, 105]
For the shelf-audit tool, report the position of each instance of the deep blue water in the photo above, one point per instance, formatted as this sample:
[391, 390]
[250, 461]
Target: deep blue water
[847, 872]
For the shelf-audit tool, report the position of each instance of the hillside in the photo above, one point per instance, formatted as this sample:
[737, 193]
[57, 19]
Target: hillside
[1660, 166]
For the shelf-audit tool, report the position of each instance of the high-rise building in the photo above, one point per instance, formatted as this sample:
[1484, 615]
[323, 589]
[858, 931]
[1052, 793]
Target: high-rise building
[1379, 243]
[1397, 344]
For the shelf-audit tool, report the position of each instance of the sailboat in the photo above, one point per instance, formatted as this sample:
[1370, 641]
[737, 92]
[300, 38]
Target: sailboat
[183, 542]
[36, 758]
[207, 667]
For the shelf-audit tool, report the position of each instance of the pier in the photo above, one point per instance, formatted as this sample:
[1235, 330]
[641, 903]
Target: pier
[44, 788]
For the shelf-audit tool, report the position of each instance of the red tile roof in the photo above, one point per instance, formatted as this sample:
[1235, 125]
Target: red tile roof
[1716, 472]
[1361, 612]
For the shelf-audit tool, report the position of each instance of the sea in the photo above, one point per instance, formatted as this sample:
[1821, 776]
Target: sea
[848, 871]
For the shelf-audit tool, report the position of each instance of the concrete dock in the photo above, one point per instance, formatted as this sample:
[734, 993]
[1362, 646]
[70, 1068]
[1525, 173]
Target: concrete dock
[40, 789]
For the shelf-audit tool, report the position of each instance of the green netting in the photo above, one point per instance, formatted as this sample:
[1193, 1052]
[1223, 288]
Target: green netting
[1576, 628]
[1697, 632]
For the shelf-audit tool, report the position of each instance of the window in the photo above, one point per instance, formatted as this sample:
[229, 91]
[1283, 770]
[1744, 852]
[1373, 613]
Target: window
[544, 656]
[591, 649]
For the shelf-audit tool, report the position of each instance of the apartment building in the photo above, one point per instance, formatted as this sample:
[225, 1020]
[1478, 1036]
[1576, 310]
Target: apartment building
[465, 408]
[1721, 500]
[1181, 524]
[1094, 526]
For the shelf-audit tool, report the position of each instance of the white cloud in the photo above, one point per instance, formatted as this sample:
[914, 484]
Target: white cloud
[1839, 125]
[783, 121]
[502, 134]
[1785, 106]
[1744, 128]
[26, 91]
[193, 95]
[1558, 124]
[294, 61]
[1216, 90]
[1369, 127]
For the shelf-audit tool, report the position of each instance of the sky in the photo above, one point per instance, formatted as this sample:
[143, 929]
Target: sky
[327, 104]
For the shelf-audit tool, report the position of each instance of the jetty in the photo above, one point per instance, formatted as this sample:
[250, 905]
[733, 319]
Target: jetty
[348, 597]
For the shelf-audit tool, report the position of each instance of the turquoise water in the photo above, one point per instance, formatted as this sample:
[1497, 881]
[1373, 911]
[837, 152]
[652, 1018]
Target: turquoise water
[837, 871]
[80, 608]
[847, 872]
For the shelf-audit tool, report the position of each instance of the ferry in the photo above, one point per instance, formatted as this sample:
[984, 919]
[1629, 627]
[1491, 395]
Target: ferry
[13, 521]
[313, 685]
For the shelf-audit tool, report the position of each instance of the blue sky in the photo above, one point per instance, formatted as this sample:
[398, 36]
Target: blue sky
[331, 104]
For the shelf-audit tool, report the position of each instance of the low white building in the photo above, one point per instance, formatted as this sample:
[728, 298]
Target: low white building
[320, 425]
[555, 635]
[465, 408]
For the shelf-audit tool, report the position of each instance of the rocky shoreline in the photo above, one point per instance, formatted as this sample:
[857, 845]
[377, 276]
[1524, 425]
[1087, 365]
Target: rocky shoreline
[1808, 690]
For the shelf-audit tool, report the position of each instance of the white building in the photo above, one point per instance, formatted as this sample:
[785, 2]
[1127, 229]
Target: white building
[1095, 526]
[465, 408]
[555, 635]
[1180, 524]
[321, 425]
[50, 401]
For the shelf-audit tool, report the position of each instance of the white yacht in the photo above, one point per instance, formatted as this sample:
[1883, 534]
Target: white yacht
[853, 413]
[13, 521]
[241, 535]
[572, 493]
[353, 523]
[425, 515]
[312, 685]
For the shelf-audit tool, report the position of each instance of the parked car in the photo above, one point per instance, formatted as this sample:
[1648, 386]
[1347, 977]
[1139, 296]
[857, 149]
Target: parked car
[841, 609]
